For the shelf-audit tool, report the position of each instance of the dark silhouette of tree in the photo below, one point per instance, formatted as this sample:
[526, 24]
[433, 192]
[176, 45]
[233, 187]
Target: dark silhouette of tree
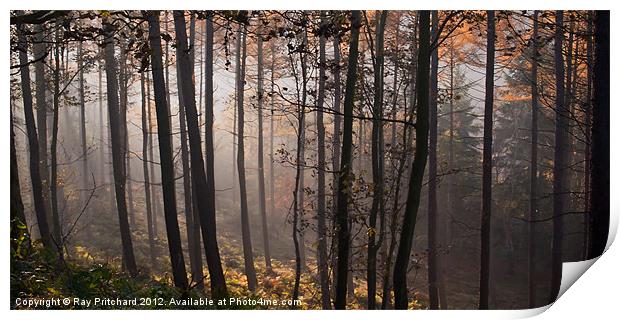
[377, 163]
[599, 200]
[560, 157]
[199, 179]
[345, 178]
[33, 142]
[533, 168]
[165, 154]
[419, 164]
[129, 260]
[487, 165]
[145, 170]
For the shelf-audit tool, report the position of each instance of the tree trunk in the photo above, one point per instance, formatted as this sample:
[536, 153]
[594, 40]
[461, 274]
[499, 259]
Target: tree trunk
[33, 144]
[57, 230]
[559, 164]
[272, 191]
[19, 226]
[117, 160]
[193, 240]
[248, 255]
[165, 154]
[345, 177]
[261, 165]
[205, 202]
[487, 152]
[533, 169]
[155, 198]
[588, 137]
[145, 169]
[433, 265]
[599, 200]
[84, 173]
[321, 211]
[377, 164]
[419, 164]
[335, 160]
[40, 49]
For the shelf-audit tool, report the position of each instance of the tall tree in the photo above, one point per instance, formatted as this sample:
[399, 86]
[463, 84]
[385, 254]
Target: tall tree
[129, 260]
[599, 199]
[18, 218]
[84, 171]
[261, 160]
[433, 265]
[487, 164]
[377, 162]
[559, 163]
[345, 177]
[533, 168]
[321, 211]
[56, 231]
[193, 239]
[33, 142]
[165, 153]
[199, 179]
[419, 164]
[40, 50]
[145, 170]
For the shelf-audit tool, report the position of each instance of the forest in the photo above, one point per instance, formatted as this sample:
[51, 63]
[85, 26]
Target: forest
[288, 159]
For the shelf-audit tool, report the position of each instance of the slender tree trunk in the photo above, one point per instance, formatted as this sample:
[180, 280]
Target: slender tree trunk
[345, 177]
[588, 137]
[321, 211]
[433, 265]
[165, 154]
[599, 199]
[123, 88]
[145, 169]
[57, 231]
[485, 222]
[19, 226]
[205, 202]
[155, 199]
[272, 191]
[248, 255]
[84, 170]
[419, 164]
[40, 49]
[377, 163]
[117, 160]
[261, 165]
[533, 169]
[193, 242]
[335, 161]
[559, 163]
